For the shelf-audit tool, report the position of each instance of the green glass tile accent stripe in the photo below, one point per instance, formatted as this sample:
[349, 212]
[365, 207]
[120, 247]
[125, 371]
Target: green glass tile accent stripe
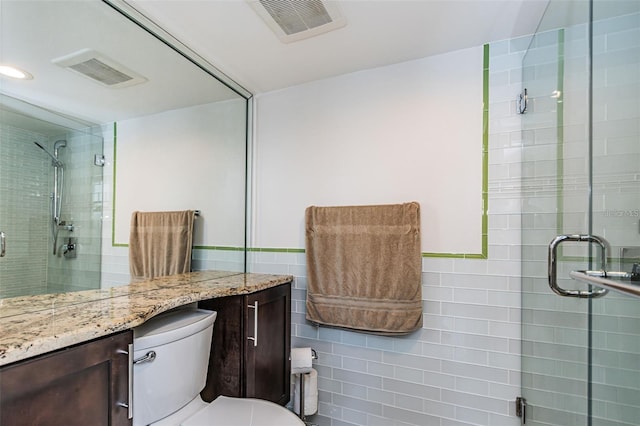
[113, 202]
[220, 248]
[485, 153]
[275, 250]
[455, 255]
[485, 180]
[560, 147]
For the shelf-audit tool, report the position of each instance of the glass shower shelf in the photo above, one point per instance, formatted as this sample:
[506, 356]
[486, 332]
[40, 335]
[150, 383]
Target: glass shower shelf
[617, 281]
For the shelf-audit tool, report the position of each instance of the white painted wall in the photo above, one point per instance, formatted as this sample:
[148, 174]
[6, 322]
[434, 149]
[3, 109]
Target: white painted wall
[191, 158]
[405, 132]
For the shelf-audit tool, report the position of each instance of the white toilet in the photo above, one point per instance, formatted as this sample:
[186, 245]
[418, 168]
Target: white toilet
[171, 356]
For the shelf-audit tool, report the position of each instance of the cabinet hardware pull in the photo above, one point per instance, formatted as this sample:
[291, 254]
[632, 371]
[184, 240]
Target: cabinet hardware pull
[255, 323]
[130, 407]
[3, 244]
[150, 356]
[129, 404]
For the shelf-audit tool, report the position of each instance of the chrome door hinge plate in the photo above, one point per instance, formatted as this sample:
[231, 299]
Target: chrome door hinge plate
[521, 409]
[98, 160]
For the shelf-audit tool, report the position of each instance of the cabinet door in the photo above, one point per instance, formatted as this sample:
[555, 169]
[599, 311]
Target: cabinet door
[268, 344]
[226, 361]
[81, 385]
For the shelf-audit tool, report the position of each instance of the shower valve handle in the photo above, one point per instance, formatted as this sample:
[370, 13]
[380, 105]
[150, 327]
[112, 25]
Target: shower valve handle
[69, 250]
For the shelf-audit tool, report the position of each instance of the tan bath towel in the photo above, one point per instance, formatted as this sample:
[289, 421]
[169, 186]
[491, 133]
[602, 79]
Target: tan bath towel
[160, 244]
[364, 267]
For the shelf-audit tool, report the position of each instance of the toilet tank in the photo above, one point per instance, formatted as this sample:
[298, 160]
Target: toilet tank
[181, 341]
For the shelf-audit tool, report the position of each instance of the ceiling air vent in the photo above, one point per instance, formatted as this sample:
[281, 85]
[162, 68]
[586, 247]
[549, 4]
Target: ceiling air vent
[294, 20]
[100, 69]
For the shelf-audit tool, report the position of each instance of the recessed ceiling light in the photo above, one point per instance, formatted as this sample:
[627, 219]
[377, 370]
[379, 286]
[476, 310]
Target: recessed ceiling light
[13, 72]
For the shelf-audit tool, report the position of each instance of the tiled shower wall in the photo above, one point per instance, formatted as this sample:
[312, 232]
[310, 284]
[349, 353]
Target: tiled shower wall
[554, 191]
[616, 131]
[27, 178]
[82, 207]
[555, 201]
[25, 211]
[463, 366]
[616, 128]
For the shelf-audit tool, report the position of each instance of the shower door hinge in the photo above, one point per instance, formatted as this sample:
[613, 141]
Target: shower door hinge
[521, 409]
[98, 160]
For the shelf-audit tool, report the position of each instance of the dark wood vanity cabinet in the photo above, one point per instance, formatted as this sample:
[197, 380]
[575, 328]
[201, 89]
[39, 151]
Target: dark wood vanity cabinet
[251, 346]
[80, 385]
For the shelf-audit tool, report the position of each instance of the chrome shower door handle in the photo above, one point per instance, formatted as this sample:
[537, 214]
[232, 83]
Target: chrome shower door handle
[3, 244]
[552, 261]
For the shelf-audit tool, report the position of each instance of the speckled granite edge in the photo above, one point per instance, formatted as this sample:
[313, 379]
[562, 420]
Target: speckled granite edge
[71, 318]
[34, 303]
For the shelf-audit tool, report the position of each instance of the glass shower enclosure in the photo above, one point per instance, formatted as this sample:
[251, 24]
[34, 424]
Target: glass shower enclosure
[50, 201]
[581, 212]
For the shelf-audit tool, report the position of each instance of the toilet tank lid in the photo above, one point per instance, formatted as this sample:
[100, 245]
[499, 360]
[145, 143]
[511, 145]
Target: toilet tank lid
[171, 326]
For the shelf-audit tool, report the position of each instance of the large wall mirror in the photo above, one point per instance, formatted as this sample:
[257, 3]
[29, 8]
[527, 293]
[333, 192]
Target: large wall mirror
[114, 116]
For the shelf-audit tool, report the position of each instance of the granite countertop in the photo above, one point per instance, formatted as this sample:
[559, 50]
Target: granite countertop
[33, 325]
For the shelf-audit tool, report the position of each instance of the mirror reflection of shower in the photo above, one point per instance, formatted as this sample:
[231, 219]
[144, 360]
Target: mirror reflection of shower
[58, 184]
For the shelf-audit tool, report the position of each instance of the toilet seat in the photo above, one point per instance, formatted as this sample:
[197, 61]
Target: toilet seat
[226, 411]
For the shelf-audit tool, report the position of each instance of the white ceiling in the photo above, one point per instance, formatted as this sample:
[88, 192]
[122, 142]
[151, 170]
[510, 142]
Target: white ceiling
[232, 37]
[378, 32]
[36, 32]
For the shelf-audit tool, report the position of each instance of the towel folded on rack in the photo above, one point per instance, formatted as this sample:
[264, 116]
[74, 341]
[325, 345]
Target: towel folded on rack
[160, 244]
[364, 267]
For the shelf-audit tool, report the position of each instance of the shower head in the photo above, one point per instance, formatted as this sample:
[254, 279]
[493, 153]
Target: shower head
[54, 160]
[57, 145]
